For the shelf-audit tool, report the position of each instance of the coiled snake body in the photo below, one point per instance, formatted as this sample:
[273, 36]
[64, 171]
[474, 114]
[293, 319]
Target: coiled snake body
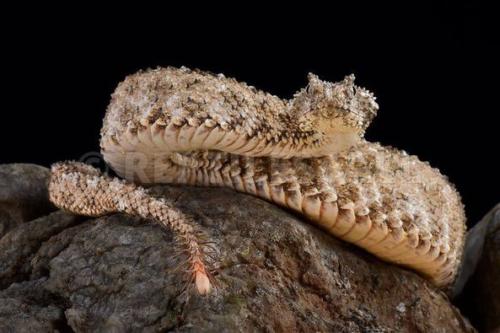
[190, 127]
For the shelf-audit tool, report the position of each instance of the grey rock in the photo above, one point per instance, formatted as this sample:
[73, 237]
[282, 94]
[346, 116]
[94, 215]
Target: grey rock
[482, 292]
[27, 307]
[473, 249]
[23, 194]
[274, 273]
[19, 245]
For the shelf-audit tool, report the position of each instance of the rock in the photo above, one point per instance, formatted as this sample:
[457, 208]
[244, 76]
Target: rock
[274, 273]
[23, 194]
[481, 296]
[19, 245]
[26, 307]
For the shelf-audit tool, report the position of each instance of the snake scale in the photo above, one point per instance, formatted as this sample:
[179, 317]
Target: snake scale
[176, 125]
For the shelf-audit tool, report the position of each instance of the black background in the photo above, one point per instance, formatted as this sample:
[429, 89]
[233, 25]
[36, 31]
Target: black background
[428, 67]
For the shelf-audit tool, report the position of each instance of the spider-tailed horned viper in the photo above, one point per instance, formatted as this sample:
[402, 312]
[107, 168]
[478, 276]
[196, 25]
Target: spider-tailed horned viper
[171, 125]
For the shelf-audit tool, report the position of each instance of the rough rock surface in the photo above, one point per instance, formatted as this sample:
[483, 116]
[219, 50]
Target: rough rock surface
[275, 274]
[23, 194]
[481, 296]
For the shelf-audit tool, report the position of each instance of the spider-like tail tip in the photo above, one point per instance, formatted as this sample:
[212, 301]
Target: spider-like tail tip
[202, 283]
[201, 279]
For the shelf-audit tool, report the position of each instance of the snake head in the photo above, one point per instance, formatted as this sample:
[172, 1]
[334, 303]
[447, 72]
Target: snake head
[333, 108]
